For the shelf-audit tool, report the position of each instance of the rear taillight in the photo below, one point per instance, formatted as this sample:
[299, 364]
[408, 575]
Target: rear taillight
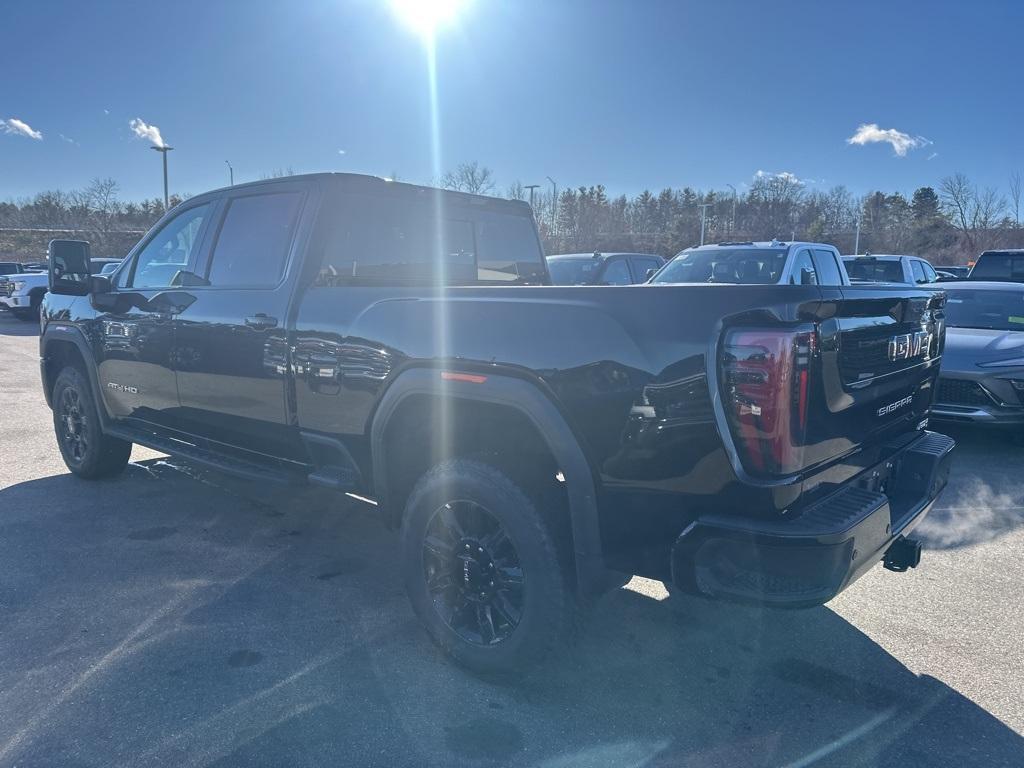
[767, 385]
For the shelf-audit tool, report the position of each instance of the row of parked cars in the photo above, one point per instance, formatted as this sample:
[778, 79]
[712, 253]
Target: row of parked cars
[22, 286]
[982, 377]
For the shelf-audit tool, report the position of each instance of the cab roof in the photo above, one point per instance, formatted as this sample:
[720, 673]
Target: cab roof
[363, 182]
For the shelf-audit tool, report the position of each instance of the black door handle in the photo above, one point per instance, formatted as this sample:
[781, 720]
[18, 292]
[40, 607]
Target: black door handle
[261, 320]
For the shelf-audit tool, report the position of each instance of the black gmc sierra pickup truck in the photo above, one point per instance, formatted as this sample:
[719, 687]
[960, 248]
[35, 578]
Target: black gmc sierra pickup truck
[533, 443]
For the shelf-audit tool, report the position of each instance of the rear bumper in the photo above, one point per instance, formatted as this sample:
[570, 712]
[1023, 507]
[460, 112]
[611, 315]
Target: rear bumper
[810, 559]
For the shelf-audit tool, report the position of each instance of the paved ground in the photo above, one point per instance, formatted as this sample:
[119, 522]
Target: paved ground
[178, 618]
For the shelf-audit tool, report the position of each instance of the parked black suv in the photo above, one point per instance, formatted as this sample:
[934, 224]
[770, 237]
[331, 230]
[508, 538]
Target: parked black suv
[534, 443]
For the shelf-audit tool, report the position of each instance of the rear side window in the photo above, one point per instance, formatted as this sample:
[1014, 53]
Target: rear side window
[826, 267]
[393, 241]
[918, 271]
[803, 272]
[254, 239]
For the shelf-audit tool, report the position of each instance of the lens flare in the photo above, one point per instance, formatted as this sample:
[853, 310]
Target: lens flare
[425, 16]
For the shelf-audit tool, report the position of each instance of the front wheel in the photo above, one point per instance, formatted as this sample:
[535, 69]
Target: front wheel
[87, 452]
[484, 570]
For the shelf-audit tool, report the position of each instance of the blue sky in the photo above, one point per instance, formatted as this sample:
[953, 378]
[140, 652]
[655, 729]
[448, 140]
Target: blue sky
[638, 94]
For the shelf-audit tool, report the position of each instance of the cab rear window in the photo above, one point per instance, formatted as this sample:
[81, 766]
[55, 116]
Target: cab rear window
[401, 241]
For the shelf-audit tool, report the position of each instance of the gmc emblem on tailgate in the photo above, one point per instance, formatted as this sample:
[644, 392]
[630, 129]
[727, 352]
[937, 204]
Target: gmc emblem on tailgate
[908, 345]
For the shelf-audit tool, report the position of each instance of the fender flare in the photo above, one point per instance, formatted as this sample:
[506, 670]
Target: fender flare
[532, 403]
[63, 333]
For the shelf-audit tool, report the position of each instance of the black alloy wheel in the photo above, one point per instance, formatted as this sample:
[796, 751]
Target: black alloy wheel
[74, 424]
[474, 574]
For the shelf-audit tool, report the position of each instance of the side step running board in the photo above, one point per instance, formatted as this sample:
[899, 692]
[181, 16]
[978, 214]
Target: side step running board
[248, 469]
[338, 478]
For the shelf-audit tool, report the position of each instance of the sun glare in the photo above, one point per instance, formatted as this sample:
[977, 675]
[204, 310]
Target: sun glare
[426, 16]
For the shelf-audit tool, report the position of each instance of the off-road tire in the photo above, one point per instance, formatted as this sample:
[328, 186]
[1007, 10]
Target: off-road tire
[86, 451]
[548, 611]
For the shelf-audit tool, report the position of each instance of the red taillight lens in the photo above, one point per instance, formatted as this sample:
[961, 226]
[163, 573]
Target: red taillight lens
[766, 382]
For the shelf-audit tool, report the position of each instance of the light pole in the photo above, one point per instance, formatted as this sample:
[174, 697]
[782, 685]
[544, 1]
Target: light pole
[163, 150]
[856, 240]
[703, 212]
[554, 202]
[732, 224]
[231, 171]
[531, 187]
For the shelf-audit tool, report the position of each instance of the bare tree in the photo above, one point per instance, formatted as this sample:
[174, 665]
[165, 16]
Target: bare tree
[1015, 189]
[959, 198]
[516, 191]
[469, 177]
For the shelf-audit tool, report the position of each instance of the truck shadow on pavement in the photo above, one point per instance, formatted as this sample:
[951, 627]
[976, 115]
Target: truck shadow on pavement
[175, 617]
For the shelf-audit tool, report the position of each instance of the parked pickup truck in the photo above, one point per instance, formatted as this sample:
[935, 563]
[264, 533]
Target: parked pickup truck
[534, 444]
[22, 293]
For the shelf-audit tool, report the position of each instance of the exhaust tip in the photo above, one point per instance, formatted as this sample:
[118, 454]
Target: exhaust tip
[903, 554]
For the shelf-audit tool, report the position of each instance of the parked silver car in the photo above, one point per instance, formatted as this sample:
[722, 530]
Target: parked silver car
[982, 377]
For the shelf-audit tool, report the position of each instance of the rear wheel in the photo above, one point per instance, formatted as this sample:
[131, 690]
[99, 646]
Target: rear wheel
[87, 452]
[484, 570]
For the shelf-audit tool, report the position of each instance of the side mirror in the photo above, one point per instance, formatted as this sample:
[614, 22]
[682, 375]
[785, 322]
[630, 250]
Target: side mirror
[70, 267]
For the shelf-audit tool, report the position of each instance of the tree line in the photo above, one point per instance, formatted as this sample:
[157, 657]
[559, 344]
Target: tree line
[949, 223]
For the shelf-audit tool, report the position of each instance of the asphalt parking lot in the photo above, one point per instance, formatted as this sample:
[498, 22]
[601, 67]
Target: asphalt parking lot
[173, 617]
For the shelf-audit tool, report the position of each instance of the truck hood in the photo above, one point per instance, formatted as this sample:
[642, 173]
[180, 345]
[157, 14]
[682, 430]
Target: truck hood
[967, 347]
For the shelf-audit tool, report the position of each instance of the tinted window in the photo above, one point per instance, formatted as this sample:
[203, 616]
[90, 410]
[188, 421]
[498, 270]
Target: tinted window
[254, 240]
[617, 273]
[930, 274]
[874, 270]
[172, 250]
[918, 271]
[507, 249]
[9, 268]
[1001, 310]
[999, 266]
[803, 272]
[573, 271]
[826, 267]
[394, 240]
[725, 265]
[641, 265]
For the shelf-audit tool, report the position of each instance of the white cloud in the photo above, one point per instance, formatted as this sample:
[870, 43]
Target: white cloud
[341, 151]
[870, 133]
[144, 131]
[783, 175]
[106, 111]
[933, 155]
[20, 128]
